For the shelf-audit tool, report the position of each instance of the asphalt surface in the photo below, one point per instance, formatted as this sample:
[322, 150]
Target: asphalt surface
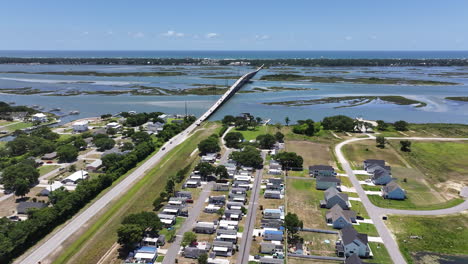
[194, 212]
[54, 242]
[376, 213]
[246, 241]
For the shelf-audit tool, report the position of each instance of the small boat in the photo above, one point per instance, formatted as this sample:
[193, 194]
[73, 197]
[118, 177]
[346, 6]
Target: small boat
[75, 112]
[55, 109]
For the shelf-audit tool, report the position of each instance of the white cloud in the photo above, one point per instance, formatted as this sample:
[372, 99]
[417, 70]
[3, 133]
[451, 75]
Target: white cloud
[262, 37]
[348, 38]
[136, 34]
[211, 35]
[172, 33]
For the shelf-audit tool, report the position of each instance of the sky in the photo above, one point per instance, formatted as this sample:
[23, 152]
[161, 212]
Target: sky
[234, 25]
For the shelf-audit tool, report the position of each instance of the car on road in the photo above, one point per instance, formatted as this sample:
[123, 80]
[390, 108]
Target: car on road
[164, 148]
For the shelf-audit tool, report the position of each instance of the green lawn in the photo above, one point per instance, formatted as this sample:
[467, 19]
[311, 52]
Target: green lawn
[359, 208]
[437, 234]
[254, 133]
[362, 177]
[371, 187]
[96, 240]
[407, 204]
[381, 255]
[46, 169]
[359, 151]
[368, 229]
[17, 126]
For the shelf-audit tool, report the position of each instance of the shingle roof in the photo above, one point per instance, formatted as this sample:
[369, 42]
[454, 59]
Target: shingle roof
[336, 212]
[354, 259]
[349, 234]
[375, 161]
[332, 191]
[23, 207]
[380, 172]
[321, 167]
[390, 187]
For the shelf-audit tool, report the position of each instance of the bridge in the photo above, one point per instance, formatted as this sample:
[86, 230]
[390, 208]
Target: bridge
[53, 243]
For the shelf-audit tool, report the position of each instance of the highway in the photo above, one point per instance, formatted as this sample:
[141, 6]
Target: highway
[53, 242]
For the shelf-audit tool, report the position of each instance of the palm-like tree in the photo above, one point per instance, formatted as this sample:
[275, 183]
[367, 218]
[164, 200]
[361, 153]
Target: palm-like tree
[286, 120]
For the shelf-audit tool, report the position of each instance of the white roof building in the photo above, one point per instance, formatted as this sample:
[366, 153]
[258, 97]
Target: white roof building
[77, 175]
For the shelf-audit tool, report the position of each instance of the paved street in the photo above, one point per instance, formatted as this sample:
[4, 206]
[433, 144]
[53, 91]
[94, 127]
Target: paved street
[376, 213]
[246, 241]
[197, 208]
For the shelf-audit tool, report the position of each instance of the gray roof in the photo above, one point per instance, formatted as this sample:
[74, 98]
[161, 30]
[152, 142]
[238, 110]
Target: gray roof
[332, 191]
[336, 212]
[321, 167]
[218, 243]
[226, 231]
[271, 260]
[380, 172]
[349, 234]
[354, 259]
[328, 179]
[23, 207]
[375, 161]
[391, 186]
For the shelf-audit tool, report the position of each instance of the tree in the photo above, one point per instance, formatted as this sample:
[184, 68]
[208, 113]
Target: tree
[405, 145]
[287, 120]
[289, 160]
[209, 145]
[292, 224]
[111, 131]
[170, 186]
[249, 156]
[67, 153]
[221, 172]
[188, 238]
[158, 203]
[233, 139]
[279, 136]
[266, 141]
[228, 120]
[340, 123]
[104, 143]
[79, 143]
[140, 136]
[127, 146]
[380, 141]
[205, 169]
[203, 259]
[21, 187]
[129, 235]
[381, 125]
[278, 126]
[146, 220]
[401, 125]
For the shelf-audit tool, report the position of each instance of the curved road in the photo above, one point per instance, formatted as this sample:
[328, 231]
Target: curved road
[376, 213]
[54, 242]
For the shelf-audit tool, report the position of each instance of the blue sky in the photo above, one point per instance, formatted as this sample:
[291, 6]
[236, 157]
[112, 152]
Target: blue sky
[234, 25]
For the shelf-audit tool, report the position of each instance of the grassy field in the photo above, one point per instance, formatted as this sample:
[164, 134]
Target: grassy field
[408, 204]
[46, 169]
[359, 151]
[381, 255]
[437, 234]
[17, 126]
[359, 208]
[312, 153]
[97, 240]
[251, 134]
[304, 200]
[293, 260]
[317, 244]
[368, 229]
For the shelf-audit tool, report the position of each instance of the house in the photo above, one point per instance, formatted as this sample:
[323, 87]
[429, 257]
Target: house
[218, 261]
[372, 167]
[234, 205]
[177, 201]
[334, 197]
[273, 235]
[275, 171]
[381, 176]
[241, 184]
[145, 255]
[114, 150]
[221, 187]
[80, 126]
[95, 165]
[321, 170]
[195, 251]
[211, 209]
[272, 194]
[76, 177]
[218, 200]
[222, 248]
[393, 191]
[99, 131]
[265, 260]
[233, 215]
[39, 117]
[271, 223]
[50, 156]
[354, 259]
[227, 235]
[154, 127]
[242, 178]
[167, 219]
[270, 248]
[209, 157]
[369, 162]
[52, 187]
[238, 190]
[113, 125]
[340, 218]
[204, 227]
[229, 224]
[23, 207]
[184, 194]
[351, 242]
[242, 198]
[153, 241]
[325, 182]
[171, 209]
[273, 214]
[192, 183]
[274, 186]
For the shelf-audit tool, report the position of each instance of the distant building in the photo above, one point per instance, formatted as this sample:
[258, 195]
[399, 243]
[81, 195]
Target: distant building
[50, 156]
[325, 182]
[95, 165]
[321, 170]
[273, 235]
[39, 117]
[340, 218]
[393, 191]
[23, 207]
[223, 248]
[381, 176]
[195, 251]
[333, 197]
[351, 242]
[204, 227]
[76, 177]
[369, 162]
[272, 194]
[80, 126]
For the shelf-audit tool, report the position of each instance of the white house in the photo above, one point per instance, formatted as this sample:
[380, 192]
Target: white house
[39, 117]
[114, 125]
[75, 177]
[80, 126]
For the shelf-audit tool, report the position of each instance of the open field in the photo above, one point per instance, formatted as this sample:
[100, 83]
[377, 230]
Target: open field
[17, 126]
[312, 153]
[95, 241]
[357, 152]
[293, 260]
[320, 244]
[381, 255]
[251, 134]
[366, 229]
[436, 234]
[359, 208]
[304, 200]
[408, 204]
[46, 169]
